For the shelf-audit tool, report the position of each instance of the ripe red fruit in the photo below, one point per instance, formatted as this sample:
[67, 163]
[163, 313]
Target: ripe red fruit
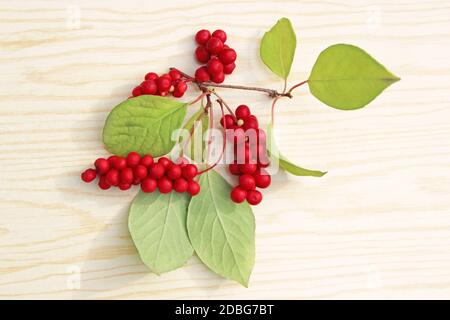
[238, 194]
[180, 185]
[102, 165]
[247, 182]
[151, 76]
[124, 186]
[248, 168]
[164, 83]
[193, 188]
[189, 171]
[250, 123]
[113, 177]
[215, 67]
[148, 185]
[149, 87]
[136, 91]
[229, 68]
[88, 175]
[202, 54]
[111, 160]
[262, 179]
[242, 112]
[180, 89]
[164, 185]
[140, 172]
[126, 176]
[175, 74]
[103, 184]
[214, 45]
[133, 159]
[254, 197]
[220, 34]
[201, 74]
[227, 56]
[156, 170]
[218, 78]
[165, 162]
[119, 163]
[174, 172]
[147, 160]
[234, 169]
[228, 120]
[202, 36]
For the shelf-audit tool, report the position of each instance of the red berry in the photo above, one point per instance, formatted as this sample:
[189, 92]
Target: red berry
[102, 165]
[175, 74]
[124, 186]
[113, 177]
[247, 182]
[174, 172]
[220, 34]
[229, 68]
[167, 76]
[193, 188]
[214, 45]
[119, 163]
[189, 171]
[111, 160]
[140, 172]
[250, 123]
[164, 185]
[262, 179]
[88, 175]
[156, 170]
[136, 92]
[243, 112]
[151, 76]
[164, 84]
[238, 136]
[202, 36]
[180, 89]
[218, 78]
[202, 54]
[165, 162]
[234, 169]
[147, 160]
[148, 185]
[103, 184]
[248, 168]
[215, 67]
[227, 56]
[254, 197]
[133, 159]
[126, 176]
[180, 185]
[238, 194]
[149, 87]
[228, 120]
[201, 74]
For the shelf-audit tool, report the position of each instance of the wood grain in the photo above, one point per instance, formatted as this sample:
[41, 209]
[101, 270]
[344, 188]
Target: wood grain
[376, 226]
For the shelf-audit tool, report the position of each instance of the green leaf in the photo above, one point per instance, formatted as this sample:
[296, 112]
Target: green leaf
[157, 224]
[221, 231]
[143, 124]
[278, 48]
[346, 77]
[283, 162]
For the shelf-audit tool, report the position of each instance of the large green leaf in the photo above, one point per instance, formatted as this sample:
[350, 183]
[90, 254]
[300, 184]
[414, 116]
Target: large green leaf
[143, 124]
[221, 231]
[283, 162]
[278, 48]
[157, 224]
[346, 77]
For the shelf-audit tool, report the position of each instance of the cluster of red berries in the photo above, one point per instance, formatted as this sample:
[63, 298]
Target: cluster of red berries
[218, 56]
[153, 84]
[123, 172]
[251, 172]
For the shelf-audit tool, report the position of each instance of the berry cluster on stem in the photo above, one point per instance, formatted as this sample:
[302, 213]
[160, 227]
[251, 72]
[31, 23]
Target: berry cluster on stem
[172, 82]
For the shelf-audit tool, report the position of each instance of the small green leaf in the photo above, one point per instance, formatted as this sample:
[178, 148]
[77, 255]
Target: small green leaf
[284, 163]
[157, 224]
[221, 231]
[278, 48]
[143, 124]
[346, 77]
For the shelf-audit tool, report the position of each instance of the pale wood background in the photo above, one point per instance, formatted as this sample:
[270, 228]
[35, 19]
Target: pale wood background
[376, 226]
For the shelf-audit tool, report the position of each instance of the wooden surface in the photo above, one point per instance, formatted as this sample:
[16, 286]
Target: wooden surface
[376, 226]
